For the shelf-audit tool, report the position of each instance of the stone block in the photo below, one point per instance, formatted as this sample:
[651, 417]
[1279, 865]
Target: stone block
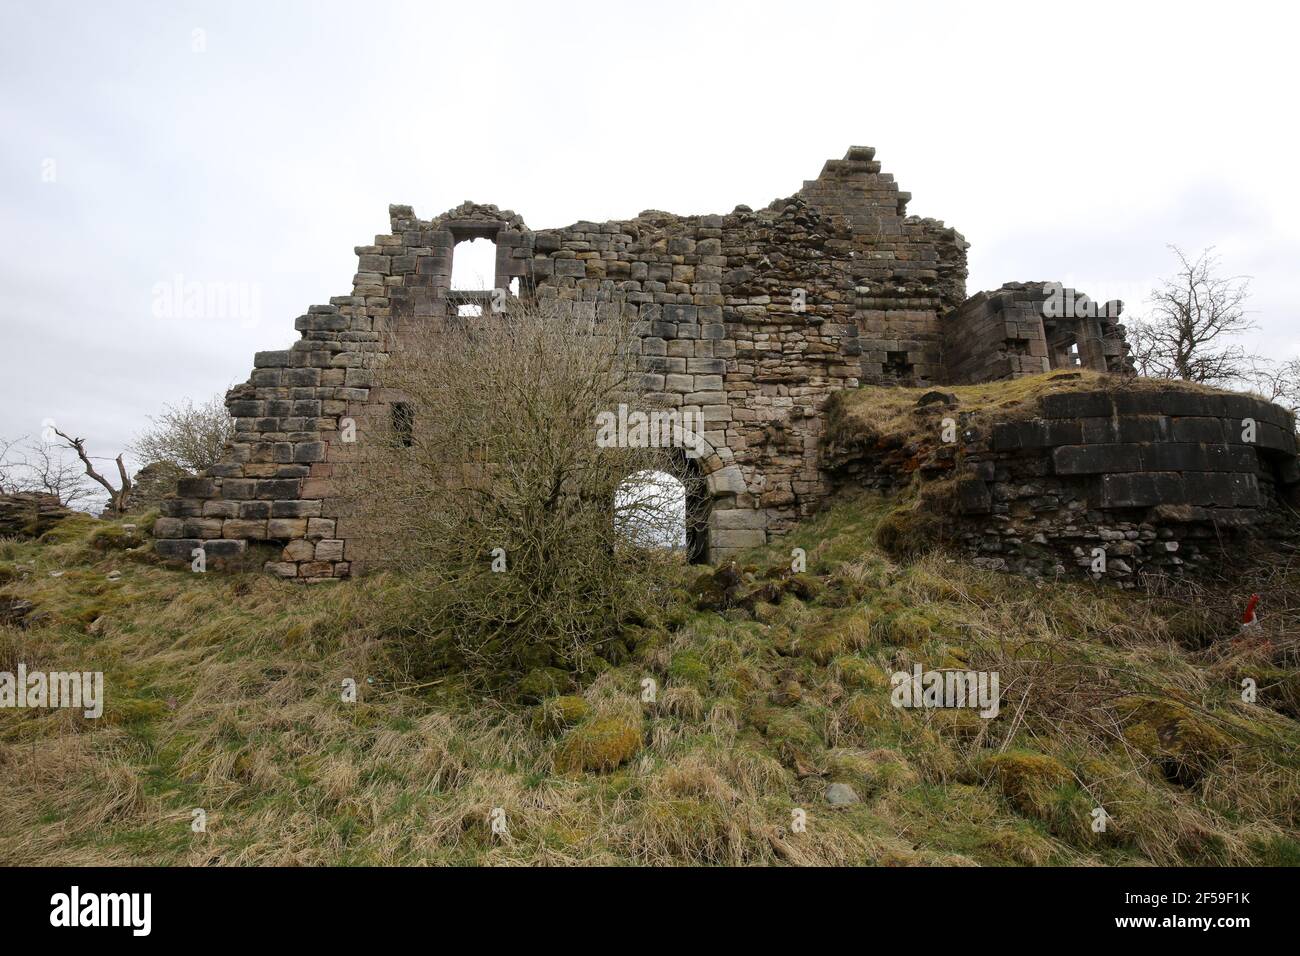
[738, 539]
[295, 509]
[202, 528]
[1097, 459]
[168, 528]
[329, 550]
[240, 528]
[1076, 405]
[307, 452]
[974, 497]
[282, 528]
[277, 488]
[224, 548]
[196, 488]
[739, 519]
[176, 549]
[277, 359]
[1197, 430]
[299, 550]
[321, 528]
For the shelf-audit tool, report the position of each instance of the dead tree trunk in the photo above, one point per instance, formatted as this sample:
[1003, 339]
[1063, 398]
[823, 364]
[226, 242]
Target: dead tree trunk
[117, 497]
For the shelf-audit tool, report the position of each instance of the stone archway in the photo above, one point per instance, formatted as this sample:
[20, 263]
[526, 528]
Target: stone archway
[717, 522]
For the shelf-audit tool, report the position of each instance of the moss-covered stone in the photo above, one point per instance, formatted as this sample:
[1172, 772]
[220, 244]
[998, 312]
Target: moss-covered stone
[821, 642]
[557, 714]
[804, 586]
[960, 723]
[717, 590]
[787, 693]
[690, 831]
[599, 745]
[888, 770]
[114, 537]
[542, 682]
[1183, 743]
[867, 713]
[909, 532]
[1029, 781]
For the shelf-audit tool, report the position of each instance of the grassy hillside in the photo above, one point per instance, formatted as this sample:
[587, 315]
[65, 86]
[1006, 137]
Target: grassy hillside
[224, 693]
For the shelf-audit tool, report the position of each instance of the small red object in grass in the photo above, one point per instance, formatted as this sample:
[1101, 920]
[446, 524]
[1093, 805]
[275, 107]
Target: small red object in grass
[1249, 616]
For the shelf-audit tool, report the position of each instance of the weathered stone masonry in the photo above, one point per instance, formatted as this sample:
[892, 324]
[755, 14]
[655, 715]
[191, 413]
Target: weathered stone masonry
[716, 300]
[1162, 480]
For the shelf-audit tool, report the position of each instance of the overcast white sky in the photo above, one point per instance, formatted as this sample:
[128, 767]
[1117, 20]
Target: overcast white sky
[259, 152]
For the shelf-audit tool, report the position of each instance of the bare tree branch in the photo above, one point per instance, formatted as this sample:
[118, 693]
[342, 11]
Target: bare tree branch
[117, 497]
[1195, 316]
[36, 466]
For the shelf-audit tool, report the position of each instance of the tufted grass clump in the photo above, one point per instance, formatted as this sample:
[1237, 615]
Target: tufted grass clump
[223, 692]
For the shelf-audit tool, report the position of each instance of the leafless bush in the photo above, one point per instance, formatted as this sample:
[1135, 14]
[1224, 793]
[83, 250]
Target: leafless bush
[189, 436]
[527, 540]
[1277, 381]
[37, 466]
[1196, 315]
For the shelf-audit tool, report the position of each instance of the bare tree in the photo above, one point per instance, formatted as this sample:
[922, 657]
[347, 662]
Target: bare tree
[1195, 316]
[188, 436]
[117, 497]
[8, 467]
[43, 468]
[490, 486]
[1276, 381]
[50, 471]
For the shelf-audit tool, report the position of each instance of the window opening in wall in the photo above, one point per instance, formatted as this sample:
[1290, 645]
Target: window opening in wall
[897, 367]
[473, 265]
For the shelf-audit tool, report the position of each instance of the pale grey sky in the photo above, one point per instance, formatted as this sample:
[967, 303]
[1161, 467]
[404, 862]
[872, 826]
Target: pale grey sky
[254, 154]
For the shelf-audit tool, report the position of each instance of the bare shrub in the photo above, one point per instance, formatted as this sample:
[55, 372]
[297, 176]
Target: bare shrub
[1195, 317]
[525, 540]
[188, 436]
[43, 467]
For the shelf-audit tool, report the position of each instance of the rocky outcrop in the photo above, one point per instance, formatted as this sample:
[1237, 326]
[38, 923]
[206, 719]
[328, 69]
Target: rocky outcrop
[30, 514]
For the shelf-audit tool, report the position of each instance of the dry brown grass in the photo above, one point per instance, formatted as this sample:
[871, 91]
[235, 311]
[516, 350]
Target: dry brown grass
[224, 694]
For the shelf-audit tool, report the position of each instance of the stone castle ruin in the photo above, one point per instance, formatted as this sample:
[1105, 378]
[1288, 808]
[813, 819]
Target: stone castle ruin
[750, 319]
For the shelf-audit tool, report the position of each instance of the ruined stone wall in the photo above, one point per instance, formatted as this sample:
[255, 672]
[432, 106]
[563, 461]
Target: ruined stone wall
[752, 318]
[1159, 480]
[1026, 328]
